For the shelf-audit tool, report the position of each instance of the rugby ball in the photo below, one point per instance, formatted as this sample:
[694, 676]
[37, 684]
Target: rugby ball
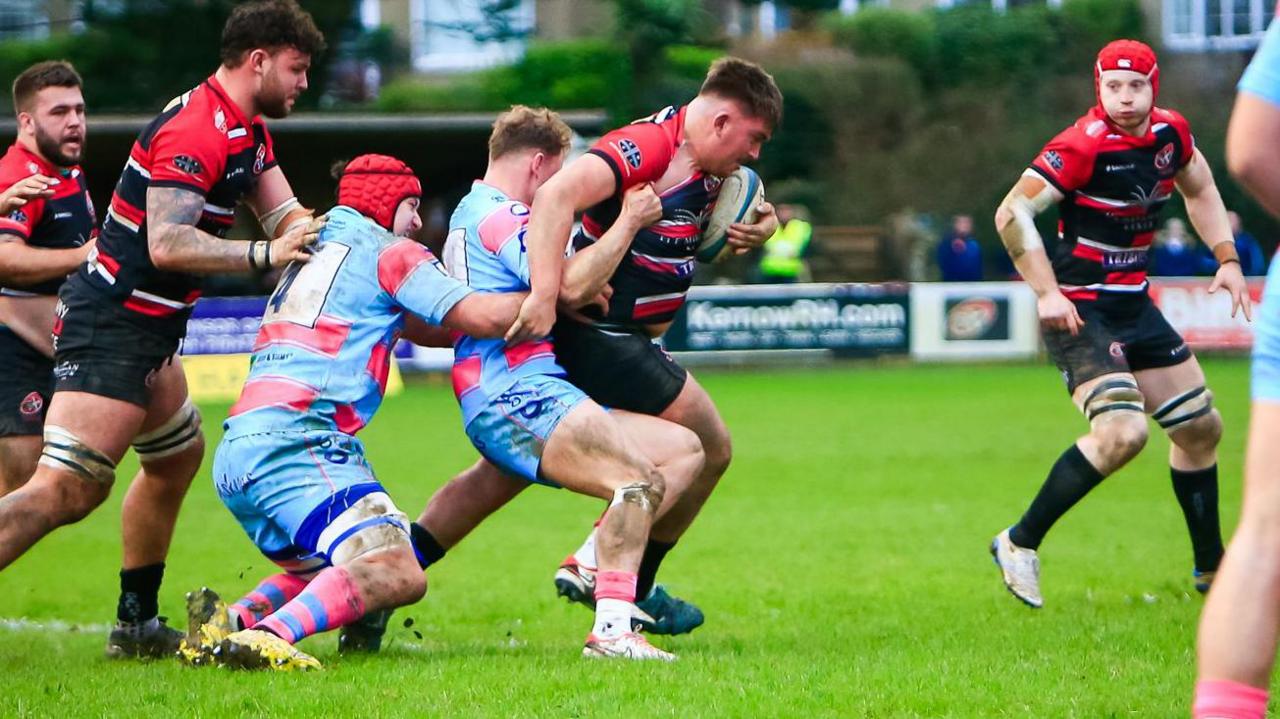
[740, 194]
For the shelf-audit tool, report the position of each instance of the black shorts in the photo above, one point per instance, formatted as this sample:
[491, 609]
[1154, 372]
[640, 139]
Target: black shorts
[100, 349]
[618, 368]
[1120, 334]
[25, 386]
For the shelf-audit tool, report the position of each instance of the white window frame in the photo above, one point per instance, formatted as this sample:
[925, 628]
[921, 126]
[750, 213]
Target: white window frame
[1196, 39]
[997, 5]
[481, 56]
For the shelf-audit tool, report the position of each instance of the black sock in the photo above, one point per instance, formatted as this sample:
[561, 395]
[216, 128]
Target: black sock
[1071, 478]
[140, 593]
[654, 553]
[425, 545]
[1197, 492]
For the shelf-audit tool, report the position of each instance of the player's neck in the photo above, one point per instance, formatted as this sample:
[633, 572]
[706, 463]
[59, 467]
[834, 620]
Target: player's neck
[28, 143]
[514, 181]
[238, 85]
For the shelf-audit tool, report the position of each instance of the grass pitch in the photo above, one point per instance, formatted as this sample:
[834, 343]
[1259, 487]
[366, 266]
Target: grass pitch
[842, 566]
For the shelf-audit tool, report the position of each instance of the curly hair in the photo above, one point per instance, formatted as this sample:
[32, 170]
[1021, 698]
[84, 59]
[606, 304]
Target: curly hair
[269, 25]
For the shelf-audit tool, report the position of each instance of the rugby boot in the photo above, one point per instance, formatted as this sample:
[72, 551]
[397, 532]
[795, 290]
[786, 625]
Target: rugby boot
[1204, 580]
[628, 645]
[152, 639]
[661, 613]
[576, 582]
[364, 635]
[208, 623]
[1020, 568]
[257, 649]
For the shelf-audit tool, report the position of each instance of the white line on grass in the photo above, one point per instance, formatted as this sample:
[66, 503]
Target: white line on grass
[23, 624]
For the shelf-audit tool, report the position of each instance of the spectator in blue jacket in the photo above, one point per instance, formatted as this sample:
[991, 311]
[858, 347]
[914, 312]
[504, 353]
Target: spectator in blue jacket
[959, 255]
[1174, 253]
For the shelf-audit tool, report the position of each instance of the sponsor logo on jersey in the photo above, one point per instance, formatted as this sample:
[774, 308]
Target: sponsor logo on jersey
[630, 152]
[220, 120]
[31, 405]
[260, 159]
[1054, 160]
[1121, 168]
[188, 164]
[65, 369]
[62, 215]
[1164, 158]
[1124, 260]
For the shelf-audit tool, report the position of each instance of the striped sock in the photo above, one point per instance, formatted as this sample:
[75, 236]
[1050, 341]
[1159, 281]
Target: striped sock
[1229, 700]
[331, 600]
[270, 594]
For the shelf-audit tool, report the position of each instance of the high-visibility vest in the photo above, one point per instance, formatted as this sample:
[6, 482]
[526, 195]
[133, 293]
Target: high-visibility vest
[784, 252]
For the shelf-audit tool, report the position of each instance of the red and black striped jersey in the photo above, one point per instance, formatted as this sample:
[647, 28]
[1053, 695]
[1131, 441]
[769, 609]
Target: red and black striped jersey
[651, 282]
[61, 222]
[1115, 186]
[201, 143]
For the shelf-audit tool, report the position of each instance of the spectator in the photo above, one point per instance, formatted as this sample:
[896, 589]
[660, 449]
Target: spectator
[959, 255]
[784, 256]
[1175, 254]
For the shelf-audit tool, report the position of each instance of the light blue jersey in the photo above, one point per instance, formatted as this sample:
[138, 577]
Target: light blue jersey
[289, 466]
[512, 398]
[1262, 77]
[323, 352]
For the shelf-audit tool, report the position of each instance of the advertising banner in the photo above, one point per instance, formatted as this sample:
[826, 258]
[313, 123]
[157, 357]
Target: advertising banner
[1204, 320]
[845, 319]
[979, 320]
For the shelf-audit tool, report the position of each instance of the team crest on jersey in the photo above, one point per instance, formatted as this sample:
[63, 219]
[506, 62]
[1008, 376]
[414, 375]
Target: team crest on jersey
[260, 160]
[630, 152]
[712, 183]
[220, 120]
[1054, 160]
[188, 164]
[1164, 158]
[31, 405]
[18, 216]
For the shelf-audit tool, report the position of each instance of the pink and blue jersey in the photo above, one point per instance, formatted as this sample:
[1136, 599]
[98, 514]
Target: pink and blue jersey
[323, 353]
[485, 249]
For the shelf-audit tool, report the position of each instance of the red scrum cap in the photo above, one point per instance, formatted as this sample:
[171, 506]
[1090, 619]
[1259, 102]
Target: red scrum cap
[375, 185]
[1127, 55]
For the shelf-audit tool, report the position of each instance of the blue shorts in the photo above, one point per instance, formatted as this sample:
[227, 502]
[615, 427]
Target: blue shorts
[512, 430]
[289, 491]
[1266, 340]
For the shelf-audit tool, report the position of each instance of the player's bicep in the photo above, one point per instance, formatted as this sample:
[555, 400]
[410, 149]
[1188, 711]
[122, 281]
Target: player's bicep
[1195, 177]
[485, 314]
[273, 188]
[172, 206]
[1031, 193]
[587, 181]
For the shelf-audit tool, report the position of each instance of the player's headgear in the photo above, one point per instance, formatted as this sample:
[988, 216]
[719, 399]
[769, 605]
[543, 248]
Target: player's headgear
[375, 185]
[1127, 55]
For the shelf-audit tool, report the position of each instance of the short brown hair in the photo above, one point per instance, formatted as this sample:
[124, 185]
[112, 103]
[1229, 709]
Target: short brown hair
[50, 73]
[528, 128]
[737, 79]
[269, 25]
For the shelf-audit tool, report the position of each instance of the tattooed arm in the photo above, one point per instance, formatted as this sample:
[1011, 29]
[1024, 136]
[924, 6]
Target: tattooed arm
[177, 246]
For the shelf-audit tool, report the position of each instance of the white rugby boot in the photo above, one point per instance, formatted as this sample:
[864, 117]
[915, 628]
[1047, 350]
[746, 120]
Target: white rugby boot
[628, 645]
[1020, 568]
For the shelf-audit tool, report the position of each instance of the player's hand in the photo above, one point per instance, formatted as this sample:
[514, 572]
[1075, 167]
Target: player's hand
[311, 232]
[1230, 278]
[87, 248]
[25, 190]
[1059, 313]
[533, 321]
[743, 237]
[601, 300]
[295, 245]
[642, 205]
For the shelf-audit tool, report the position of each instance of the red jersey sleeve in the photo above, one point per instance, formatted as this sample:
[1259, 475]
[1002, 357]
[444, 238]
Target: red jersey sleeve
[1067, 161]
[636, 153]
[188, 152]
[269, 161]
[21, 220]
[1179, 123]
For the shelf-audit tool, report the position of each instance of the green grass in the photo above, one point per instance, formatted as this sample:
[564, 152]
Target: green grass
[842, 566]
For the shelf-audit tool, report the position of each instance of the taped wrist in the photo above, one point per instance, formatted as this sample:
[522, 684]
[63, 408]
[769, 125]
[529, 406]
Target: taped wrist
[1225, 252]
[284, 217]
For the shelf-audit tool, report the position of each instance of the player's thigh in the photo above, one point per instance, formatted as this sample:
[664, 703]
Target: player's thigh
[693, 408]
[103, 424]
[1094, 352]
[661, 441]
[168, 394]
[590, 454]
[1161, 384]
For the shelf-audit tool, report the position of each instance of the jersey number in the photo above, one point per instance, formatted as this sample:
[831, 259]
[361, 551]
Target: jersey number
[303, 289]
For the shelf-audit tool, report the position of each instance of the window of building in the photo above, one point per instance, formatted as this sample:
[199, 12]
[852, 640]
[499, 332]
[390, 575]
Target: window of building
[1198, 25]
[453, 35]
[23, 20]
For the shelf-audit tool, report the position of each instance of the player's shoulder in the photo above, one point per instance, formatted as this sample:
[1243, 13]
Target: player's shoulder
[1085, 135]
[15, 165]
[647, 140]
[1173, 118]
[501, 222]
[198, 114]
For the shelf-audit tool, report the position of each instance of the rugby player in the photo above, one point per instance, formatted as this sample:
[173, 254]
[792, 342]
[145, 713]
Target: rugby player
[1237, 643]
[289, 466]
[518, 409]
[1110, 174]
[121, 316]
[46, 233]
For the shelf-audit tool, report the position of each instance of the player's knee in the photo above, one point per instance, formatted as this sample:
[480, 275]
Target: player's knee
[645, 491]
[67, 498]
[1191, 420]
[1121, 436]
[718, 453]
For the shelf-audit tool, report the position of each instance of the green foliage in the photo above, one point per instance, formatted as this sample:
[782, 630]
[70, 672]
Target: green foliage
[882, 32]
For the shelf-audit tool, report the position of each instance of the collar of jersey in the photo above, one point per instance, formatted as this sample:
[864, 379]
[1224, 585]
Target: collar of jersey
[225, 99]
[47, 168]
[1100, 114]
